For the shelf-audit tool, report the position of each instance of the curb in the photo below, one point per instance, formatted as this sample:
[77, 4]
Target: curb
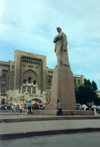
[47, 118]
[43, 133]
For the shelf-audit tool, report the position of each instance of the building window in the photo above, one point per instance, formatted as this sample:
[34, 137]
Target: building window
[29, 80]
[3, 92]
[34, 82]
[24, 81]
[4, 75]
[3, 101]
[49, 81]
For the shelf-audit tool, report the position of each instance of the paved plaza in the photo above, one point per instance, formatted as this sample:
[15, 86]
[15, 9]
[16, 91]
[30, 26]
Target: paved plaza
[31, 125]
[35, 126]
[69, 140]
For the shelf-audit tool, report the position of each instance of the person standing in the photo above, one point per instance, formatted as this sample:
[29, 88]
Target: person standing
[59, 106]
[29, 108]
[20, 108]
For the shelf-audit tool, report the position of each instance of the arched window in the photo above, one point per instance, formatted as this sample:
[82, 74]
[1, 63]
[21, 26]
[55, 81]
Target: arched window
[34, 82]
[29, 80]
[24, 81]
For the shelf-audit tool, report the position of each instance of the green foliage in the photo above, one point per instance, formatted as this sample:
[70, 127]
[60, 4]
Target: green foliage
[94, 85]
[86, 94]
[87, 82]
[90, 84]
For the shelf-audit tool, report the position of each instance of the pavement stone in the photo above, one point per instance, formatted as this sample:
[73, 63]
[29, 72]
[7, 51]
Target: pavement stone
[24, 125]
[26, 117]
[35, 128]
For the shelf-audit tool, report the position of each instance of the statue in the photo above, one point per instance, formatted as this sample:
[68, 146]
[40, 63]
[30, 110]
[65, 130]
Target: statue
[61, 95]
[61, 48]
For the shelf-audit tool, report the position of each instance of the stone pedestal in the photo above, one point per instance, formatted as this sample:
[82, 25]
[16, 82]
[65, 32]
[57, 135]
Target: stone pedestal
[63, 89]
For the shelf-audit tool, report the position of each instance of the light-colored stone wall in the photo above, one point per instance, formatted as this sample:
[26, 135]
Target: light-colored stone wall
[15, 97]
[4, 80]
[78, 81]
[11, 75]
[19, 70]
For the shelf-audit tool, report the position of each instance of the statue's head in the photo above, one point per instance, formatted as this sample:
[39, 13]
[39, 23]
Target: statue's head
[58, 29]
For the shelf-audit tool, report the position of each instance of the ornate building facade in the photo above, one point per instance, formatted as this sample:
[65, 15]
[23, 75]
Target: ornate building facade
[27, 78]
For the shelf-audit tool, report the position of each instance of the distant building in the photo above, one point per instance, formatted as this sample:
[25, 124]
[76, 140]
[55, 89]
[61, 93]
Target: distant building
[98, 93]
[78, 80]
[26, 78]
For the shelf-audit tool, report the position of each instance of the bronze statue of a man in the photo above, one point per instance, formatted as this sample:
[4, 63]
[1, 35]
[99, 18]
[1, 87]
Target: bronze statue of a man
[61, 48]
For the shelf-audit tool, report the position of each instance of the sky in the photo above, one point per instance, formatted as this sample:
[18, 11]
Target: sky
[30, 25]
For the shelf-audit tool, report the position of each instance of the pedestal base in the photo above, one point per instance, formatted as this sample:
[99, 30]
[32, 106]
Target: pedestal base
[63, 89]
[64, 112]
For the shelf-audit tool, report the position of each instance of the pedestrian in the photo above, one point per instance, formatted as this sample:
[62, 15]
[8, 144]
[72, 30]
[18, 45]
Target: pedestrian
[29, 108]
[59, 106]
[20, 108]
[13, 108]
[95, 111]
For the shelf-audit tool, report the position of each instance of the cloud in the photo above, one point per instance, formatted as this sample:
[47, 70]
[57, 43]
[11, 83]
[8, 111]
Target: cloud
[30, 25]
[2, 4]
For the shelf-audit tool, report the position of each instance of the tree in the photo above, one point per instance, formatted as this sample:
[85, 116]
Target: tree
[87, 82]
[94, 85]
[86, 94]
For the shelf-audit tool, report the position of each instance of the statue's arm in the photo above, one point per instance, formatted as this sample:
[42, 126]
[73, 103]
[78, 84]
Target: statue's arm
[55, 40]
[58, 38]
